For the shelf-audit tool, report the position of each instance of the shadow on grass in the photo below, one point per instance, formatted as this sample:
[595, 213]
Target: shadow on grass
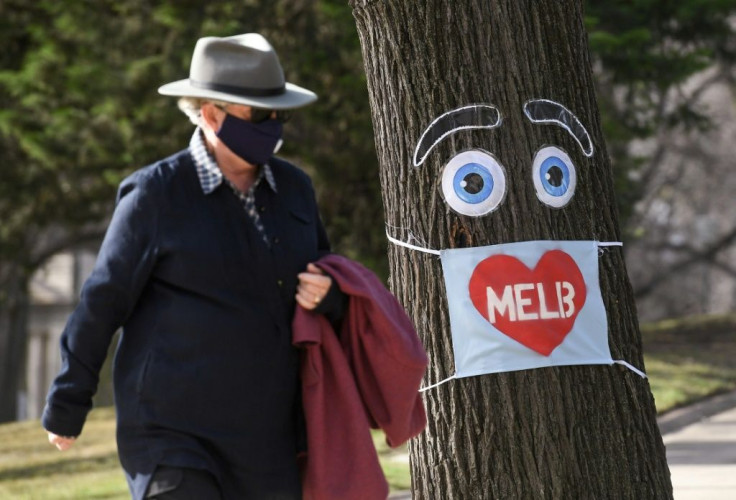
[102, 496]
[66, 465]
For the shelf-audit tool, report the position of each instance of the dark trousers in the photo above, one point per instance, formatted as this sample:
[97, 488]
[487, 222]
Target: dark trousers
[178, 483]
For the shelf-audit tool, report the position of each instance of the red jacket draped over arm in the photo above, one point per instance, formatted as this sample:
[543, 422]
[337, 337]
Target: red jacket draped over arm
[367, 377]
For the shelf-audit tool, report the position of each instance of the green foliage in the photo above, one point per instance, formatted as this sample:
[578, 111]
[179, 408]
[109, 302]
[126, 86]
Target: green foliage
[319, 49]
[650, 44]
[72, 126]
[80, 108]
[644, 52]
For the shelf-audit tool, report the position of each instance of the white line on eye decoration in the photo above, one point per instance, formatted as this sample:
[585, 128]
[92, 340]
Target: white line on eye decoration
[474, 116]
[546, 111]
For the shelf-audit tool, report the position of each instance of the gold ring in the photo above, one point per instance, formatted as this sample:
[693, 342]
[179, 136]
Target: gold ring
[316, 299]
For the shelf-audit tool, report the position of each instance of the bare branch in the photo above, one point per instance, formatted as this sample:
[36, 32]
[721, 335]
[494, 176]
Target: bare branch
[59, 239]
[696, 256]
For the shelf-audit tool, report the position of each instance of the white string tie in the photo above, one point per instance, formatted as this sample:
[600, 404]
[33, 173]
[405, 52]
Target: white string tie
[438, 383]
[409, 245]
[630, 367]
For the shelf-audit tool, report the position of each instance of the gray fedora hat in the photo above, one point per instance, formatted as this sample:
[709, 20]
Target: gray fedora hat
[241, 69]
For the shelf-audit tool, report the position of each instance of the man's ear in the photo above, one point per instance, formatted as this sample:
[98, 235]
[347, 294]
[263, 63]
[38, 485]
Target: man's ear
[211, 116]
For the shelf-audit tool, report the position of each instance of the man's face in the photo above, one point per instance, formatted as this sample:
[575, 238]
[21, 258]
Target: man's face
[253, 115]
[237, 110]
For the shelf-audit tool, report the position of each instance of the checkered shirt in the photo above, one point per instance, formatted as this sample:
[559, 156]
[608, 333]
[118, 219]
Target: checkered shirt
[210, 177]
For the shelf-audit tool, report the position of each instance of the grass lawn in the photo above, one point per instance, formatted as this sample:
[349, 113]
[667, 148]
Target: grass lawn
[30, 468]
[686, 361]
[689, 359]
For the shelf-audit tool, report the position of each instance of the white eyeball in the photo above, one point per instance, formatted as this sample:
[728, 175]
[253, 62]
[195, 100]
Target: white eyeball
[554, 176]
[473, 183]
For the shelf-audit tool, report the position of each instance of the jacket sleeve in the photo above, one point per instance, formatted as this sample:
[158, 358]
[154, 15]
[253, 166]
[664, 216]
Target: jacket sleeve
[333, 305]
[123, 266]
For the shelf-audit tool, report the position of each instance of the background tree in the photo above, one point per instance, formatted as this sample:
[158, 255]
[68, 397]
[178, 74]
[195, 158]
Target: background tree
[575, 431]
[665, 74]
[78, 114]
[645, 55]
[79, 111]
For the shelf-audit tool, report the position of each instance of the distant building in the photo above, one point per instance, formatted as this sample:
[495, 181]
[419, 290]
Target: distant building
[54, 292]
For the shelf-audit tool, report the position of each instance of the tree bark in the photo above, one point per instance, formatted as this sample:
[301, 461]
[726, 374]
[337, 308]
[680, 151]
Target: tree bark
[563, 432]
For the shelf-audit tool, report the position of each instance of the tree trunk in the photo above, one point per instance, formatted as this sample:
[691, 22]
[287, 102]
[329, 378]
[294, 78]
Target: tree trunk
[14, 305]
[562, 432]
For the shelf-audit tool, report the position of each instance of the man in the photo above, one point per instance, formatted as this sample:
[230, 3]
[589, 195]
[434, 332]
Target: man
[207, 254]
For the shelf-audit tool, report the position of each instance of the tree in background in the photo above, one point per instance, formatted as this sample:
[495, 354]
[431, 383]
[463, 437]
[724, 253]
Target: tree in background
[70, 111]
[645, 55]
[79, 111]
[561, 432]
[319, 46]
[665, 74]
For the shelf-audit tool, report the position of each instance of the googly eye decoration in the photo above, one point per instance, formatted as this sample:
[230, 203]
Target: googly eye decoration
[473, 183]
[554, 176]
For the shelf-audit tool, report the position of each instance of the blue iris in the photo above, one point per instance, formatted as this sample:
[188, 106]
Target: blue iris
[473, 183]
[555, 176]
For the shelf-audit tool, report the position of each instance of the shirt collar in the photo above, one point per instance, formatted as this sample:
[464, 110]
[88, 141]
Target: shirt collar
[210, 175]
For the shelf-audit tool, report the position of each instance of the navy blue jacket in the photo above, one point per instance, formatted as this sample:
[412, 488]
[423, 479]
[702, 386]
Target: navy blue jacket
[205, 374]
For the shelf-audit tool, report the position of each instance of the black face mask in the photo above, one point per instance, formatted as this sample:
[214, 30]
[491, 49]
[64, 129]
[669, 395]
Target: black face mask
[253, 142]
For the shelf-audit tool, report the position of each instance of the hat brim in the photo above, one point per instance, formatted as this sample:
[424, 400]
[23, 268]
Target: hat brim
[294, 96]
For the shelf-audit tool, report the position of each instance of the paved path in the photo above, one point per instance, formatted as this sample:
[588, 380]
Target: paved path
[702, 455]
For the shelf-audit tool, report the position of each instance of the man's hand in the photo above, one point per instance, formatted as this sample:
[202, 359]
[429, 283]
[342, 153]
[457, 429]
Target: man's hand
[313, 286]
[61, 442]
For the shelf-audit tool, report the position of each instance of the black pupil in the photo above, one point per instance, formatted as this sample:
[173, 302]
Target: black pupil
[473, 183]
[554, 176]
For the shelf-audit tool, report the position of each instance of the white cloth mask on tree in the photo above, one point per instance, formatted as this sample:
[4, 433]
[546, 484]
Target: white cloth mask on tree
[516, 306]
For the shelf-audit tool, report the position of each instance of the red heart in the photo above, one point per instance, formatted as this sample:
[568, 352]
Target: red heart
[538, 307]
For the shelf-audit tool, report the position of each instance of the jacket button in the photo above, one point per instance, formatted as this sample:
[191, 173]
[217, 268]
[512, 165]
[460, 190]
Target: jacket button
[262, 208]
[280, 282]
[276, 240]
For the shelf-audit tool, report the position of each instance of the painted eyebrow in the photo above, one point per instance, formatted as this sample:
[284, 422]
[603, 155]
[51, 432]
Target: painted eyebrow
[546, 111]
[464, 118]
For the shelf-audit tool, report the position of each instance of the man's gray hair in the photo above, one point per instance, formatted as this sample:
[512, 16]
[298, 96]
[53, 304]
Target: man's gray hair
[192, 107]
